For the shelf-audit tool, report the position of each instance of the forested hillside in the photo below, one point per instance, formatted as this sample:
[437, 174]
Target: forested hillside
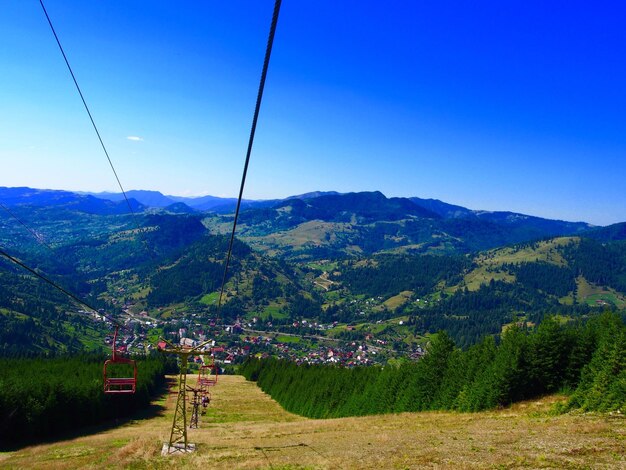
[374, 268]
[419, 308]
[473, 295]
[322, 226]
[589, 359]
[44, 397]
[37, 319]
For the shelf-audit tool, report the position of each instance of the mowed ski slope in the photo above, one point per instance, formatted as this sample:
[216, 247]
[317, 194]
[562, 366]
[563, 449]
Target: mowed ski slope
[246, 429]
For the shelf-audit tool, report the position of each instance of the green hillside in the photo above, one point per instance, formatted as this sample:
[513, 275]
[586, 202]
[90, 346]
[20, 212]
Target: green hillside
[373, 268]
[473, 295]
[589, 359]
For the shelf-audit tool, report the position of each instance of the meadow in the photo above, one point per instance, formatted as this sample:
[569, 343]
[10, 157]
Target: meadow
[244, 428]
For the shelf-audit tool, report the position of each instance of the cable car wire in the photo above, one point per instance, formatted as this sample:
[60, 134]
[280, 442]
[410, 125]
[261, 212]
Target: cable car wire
[268, 51]
[93, 123]
[32, 231]
[61, 289]
[95, 128]
[257, 108]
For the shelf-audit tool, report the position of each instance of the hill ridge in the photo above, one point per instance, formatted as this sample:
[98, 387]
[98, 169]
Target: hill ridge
[156, 199]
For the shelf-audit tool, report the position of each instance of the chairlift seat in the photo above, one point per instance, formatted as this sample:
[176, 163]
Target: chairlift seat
[119, 384]
[205, 377]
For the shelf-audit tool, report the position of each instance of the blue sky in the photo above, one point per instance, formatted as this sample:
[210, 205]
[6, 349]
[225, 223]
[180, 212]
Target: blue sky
[491, 105]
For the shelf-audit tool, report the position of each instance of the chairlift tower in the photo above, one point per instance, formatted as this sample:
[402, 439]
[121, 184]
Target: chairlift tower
[178, 437]
[195, 406]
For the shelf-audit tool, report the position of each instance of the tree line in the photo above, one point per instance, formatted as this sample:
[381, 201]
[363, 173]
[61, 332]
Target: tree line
[42, 397]
[588, 360]
[600, 263]
[388, 275]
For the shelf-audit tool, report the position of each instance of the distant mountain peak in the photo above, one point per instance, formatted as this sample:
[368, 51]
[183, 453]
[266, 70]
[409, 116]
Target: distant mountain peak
[67, 200]
[180, 208]
[314, 194]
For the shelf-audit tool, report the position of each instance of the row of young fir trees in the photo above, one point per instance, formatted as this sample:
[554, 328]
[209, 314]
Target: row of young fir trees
[43, 397]
[586, 360]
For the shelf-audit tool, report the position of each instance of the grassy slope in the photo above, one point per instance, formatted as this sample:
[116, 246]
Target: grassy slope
[490, 261]
[246, 429]
[309, 234]
[392, 303]
[596, 296]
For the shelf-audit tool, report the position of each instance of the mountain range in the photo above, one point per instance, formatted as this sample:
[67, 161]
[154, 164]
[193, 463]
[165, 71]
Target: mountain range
[142, 200]
[324, 256]
[320, 224]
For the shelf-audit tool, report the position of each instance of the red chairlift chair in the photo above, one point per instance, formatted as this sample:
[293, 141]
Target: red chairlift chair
[119, 384]
[207, 374]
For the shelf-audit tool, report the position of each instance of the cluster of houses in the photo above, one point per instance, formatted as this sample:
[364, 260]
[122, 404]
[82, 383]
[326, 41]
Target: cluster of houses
[302, 341]
[346, 354]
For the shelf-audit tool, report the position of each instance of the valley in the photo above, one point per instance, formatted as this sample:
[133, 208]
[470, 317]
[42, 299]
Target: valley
[424, 265]
[451, 310]
[361, 274]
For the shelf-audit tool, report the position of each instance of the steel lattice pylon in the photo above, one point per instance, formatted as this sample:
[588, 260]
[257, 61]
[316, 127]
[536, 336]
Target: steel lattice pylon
[178, 437]
[195, 406]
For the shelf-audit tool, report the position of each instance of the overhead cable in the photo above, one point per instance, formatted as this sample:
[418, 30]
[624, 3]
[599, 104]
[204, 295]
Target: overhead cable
[268, 53]
[32, 231]
[93, 123]
[61, 289]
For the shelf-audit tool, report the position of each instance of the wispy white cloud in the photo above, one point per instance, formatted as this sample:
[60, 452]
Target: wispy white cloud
[135, 138]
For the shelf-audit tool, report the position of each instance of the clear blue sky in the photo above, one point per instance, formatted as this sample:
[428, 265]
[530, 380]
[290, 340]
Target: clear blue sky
[514, 105]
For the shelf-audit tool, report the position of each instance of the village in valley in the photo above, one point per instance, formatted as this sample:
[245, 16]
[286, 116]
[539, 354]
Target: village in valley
[302, 341]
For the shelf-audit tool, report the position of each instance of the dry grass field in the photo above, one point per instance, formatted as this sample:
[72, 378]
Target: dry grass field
[246, 429]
